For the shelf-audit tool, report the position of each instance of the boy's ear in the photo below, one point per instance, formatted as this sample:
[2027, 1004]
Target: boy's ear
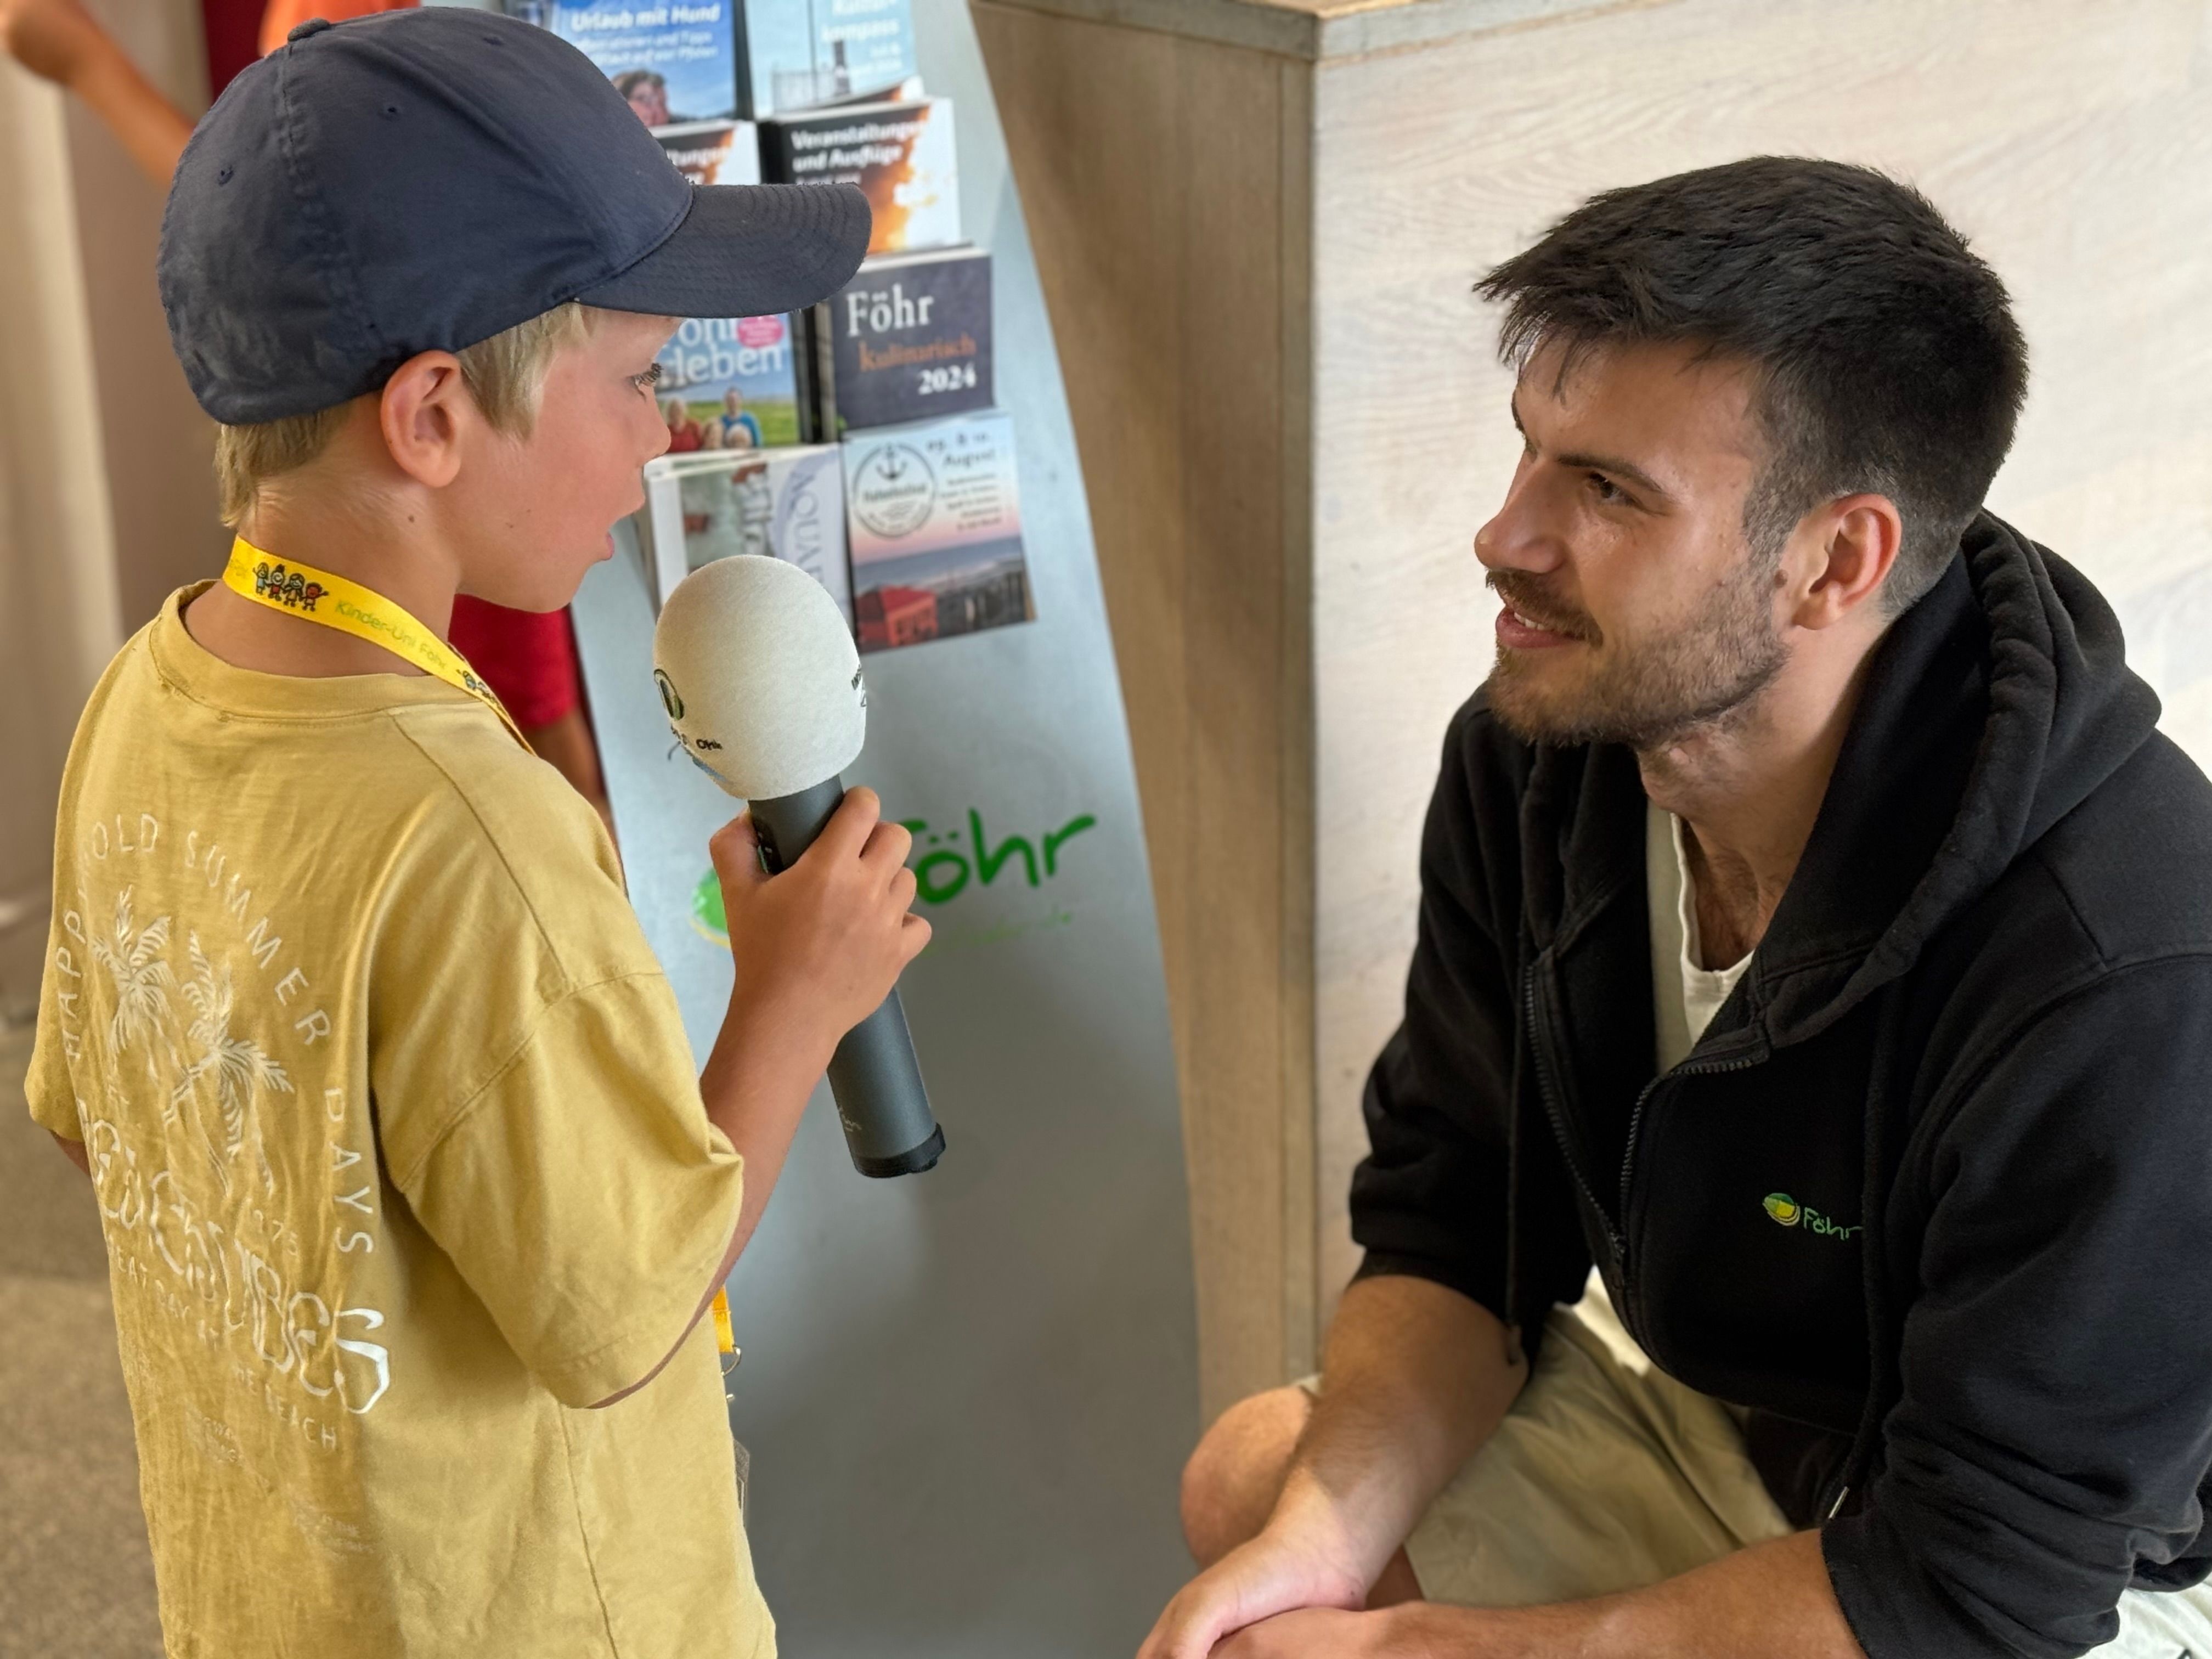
[424, 409]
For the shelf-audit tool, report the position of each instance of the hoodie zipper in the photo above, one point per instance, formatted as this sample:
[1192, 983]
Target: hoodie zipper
[1616, 1235]
[1558, 1118]
[1629, 1311]
[1630, 1316]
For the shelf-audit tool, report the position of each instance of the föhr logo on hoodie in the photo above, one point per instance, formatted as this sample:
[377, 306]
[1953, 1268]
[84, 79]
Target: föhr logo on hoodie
[1787, 1212]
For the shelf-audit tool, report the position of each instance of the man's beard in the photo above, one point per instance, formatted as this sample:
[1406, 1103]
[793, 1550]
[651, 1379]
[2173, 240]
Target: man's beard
[1653, 694]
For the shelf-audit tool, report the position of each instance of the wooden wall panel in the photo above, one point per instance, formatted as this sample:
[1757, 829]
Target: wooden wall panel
[1153, 176]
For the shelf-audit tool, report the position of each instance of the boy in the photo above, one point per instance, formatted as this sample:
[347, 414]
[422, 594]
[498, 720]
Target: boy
[529, 657]
[413, 1204]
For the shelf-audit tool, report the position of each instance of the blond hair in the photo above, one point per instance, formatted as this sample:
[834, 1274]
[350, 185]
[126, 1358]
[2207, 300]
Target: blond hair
[504, 374]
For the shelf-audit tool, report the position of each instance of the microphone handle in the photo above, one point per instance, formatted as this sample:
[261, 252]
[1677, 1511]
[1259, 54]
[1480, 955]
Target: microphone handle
[890, 1129]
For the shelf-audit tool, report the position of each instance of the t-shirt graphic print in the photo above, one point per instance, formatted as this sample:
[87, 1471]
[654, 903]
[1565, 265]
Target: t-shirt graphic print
[213, 1024]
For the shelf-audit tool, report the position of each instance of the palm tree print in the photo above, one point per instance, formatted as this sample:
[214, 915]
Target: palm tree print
[239, 1065]
[134, 960]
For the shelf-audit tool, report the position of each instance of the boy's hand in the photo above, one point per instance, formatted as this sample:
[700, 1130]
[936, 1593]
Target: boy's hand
[818, 947]
[54, 39]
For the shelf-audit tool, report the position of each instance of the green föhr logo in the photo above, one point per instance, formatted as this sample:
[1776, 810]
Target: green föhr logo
[1787, 1212]
[941, 872]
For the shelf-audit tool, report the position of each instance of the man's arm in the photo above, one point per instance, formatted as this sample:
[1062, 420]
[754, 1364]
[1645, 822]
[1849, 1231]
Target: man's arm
[1415, 1377]
[75, 1151]
[1770, 1599]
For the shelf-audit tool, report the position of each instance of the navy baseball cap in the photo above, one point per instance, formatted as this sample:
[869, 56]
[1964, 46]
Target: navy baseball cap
[420, 181]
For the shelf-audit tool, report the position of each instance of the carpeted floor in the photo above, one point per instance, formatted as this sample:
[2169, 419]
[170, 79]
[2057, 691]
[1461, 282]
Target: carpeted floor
[76, 1580]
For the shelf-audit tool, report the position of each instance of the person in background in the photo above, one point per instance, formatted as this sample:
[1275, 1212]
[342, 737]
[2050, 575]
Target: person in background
[280, 17]
[648, 94]
[58, 40]
[740, 430]
[529, 659]
[685, 434]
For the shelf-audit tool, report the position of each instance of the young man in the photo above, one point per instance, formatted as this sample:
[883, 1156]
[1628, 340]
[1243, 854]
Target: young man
[1816, 938]
[412, 1199]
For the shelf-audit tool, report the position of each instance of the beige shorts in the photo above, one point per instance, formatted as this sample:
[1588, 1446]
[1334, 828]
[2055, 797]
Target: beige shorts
[1607, 1475]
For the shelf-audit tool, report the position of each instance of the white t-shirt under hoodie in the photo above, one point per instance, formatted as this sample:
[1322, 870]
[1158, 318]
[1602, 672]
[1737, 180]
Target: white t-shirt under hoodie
[1685, 994]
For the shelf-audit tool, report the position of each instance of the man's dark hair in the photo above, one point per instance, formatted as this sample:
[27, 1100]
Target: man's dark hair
[1887, 355]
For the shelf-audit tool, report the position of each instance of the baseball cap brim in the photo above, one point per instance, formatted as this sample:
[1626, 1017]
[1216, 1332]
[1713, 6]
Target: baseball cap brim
[747, 251]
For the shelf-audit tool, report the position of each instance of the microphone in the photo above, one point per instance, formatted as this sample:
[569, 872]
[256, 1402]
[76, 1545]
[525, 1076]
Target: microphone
[757, 669]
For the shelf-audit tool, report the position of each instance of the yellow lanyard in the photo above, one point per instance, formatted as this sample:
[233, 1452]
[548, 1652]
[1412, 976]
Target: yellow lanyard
[319, 596]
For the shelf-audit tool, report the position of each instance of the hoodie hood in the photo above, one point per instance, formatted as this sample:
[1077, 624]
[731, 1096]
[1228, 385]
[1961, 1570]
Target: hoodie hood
[2007, 674]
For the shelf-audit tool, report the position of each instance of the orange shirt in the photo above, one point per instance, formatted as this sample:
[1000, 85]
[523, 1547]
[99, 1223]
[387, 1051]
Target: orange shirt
[282, 17]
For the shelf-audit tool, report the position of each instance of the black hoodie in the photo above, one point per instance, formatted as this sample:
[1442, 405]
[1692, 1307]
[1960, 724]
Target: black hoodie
[1927, 1193]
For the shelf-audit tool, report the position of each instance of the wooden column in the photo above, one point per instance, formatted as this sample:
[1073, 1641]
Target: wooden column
[1178, 295]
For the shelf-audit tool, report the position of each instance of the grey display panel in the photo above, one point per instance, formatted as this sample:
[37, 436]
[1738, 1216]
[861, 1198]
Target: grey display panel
[967, 1394]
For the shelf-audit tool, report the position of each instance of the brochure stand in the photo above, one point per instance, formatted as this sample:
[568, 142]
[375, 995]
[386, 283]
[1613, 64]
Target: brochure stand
[967, 1394]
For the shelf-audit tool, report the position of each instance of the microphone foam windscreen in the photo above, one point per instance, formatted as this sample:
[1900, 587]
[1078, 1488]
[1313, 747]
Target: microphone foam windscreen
[760, 677]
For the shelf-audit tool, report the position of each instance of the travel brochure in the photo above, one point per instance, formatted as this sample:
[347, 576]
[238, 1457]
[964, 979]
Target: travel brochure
[786, 504]
[714, 152]
[695, 60]
[859, 440]
[799, 56]
[900, 154]
[731, 383]
[908, 339]
[675, 60]
[934, 518]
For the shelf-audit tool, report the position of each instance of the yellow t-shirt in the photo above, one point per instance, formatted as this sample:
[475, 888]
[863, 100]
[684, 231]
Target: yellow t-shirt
[402, 1162]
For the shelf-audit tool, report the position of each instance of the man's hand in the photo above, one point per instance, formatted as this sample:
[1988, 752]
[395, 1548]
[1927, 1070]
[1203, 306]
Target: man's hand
[818, 948]
[1278, 1572]
[1772, 1598]
[1317, 1634]
[1415, 1377]
[1422, 1629]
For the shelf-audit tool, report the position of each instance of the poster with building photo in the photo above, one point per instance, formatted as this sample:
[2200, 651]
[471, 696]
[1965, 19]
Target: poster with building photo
[934, 519]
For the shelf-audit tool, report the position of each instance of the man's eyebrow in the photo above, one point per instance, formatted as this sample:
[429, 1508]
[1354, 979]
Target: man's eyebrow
[1613, 463]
